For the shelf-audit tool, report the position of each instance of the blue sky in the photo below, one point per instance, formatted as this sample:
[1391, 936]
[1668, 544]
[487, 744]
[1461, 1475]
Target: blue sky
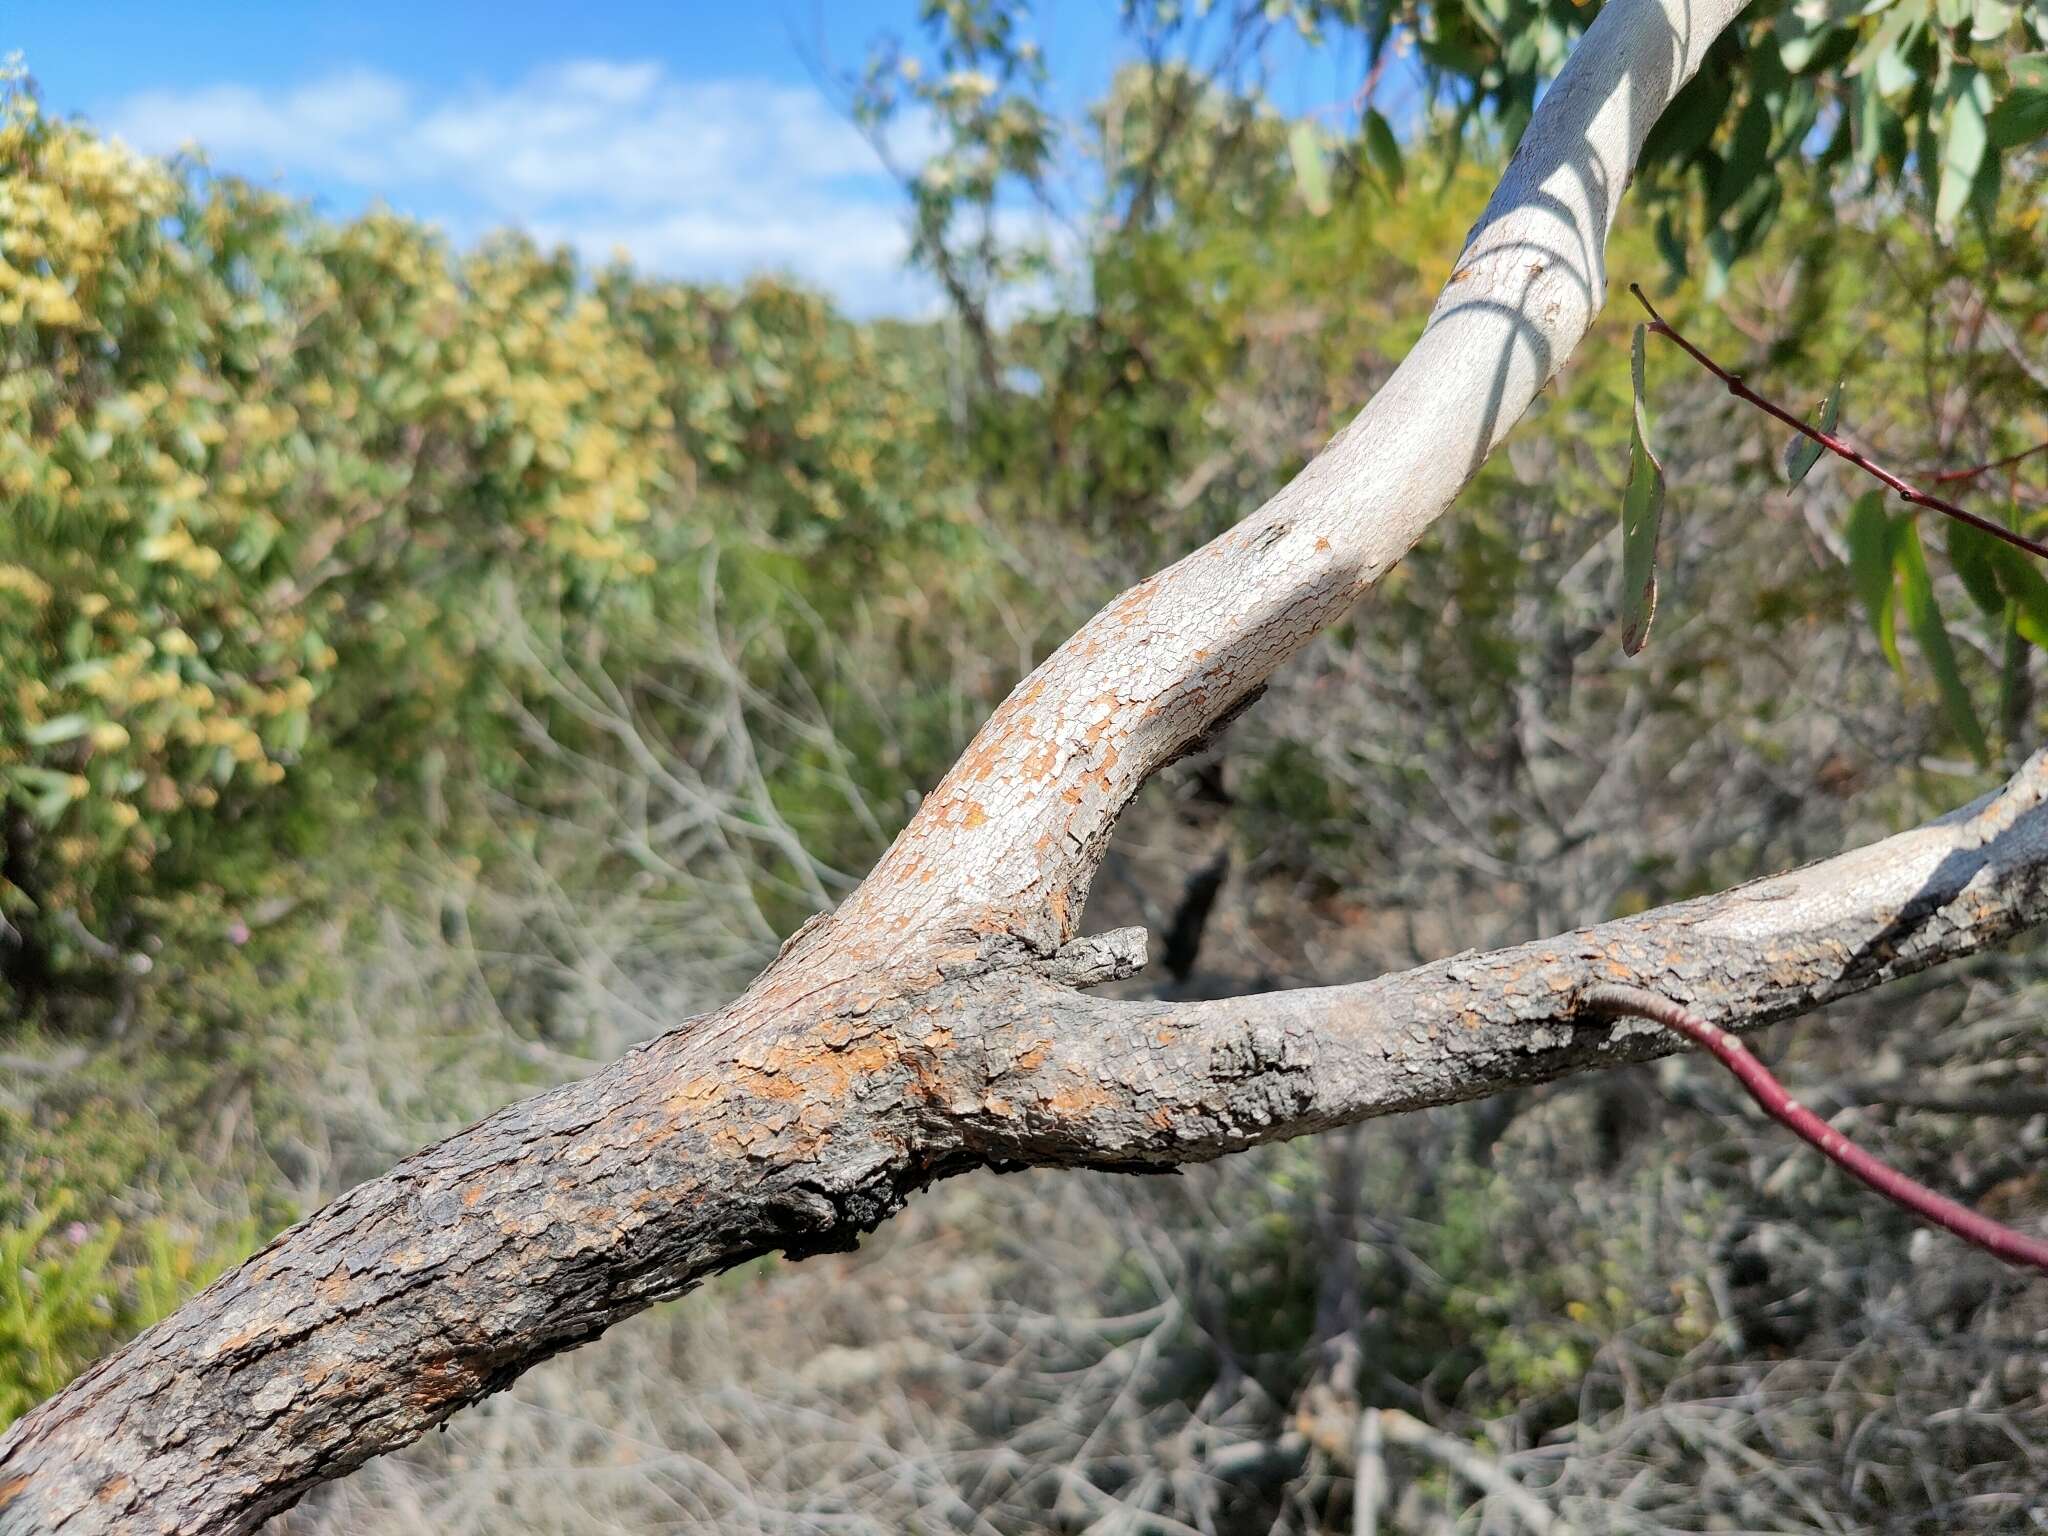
[695, 136]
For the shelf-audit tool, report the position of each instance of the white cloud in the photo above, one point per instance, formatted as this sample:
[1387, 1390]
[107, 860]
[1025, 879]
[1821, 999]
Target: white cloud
[710, 179]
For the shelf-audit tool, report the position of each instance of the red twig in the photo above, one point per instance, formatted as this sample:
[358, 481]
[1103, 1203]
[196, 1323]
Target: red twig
[1835, 445]
[1948, 476]
[1972, 1226]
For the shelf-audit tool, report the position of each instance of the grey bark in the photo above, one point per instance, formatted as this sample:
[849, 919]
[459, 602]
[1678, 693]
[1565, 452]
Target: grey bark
[798, 1118]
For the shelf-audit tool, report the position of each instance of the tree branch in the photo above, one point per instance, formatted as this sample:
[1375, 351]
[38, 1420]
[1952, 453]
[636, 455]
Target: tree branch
[1066, 1079]
[1841, 447]
[927, 1026]
[1929, 1205]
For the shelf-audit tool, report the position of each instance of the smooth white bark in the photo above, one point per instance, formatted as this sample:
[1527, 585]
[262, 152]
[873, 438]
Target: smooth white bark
[1009, 841]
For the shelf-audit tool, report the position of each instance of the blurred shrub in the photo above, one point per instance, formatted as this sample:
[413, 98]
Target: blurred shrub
[69, 1292]
[269, 474]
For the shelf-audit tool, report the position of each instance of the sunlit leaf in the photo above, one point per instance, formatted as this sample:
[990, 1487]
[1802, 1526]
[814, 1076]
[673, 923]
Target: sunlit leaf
[1923, 615]
[48, 733]
[1311, 167]
[1642, 510]
[1964, 138]
[1802, 453]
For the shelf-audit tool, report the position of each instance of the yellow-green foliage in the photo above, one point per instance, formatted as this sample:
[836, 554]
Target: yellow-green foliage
[69, 1292]
[262, 471]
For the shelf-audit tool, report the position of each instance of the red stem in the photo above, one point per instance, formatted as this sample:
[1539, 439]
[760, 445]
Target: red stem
[1949, 475]
[1971, 1226]
[1835, 445]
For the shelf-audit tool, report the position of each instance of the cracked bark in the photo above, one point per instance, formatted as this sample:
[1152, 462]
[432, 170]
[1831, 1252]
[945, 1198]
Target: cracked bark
[932, 1024]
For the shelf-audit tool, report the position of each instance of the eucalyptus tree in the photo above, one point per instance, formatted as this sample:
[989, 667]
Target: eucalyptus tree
[937, 1020]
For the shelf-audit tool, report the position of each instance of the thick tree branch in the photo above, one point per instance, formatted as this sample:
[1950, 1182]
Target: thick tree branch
[1010, 839]
[1087, 1080]
[927, 1026]
[798, 1119]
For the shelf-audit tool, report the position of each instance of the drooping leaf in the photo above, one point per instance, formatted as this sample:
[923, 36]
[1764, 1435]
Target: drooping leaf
[1990, 20]
[1381, 150]
[1969, 552]
[1965, 136]
[2019, 575]
[1311, 167]
[1923, 614]
[1802, 453]
[1642, 510]
[2021, 118]
[1744, 164]
[1871, 532]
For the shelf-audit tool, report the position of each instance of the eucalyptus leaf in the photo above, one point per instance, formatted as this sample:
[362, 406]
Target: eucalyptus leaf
[48, 733]
[1802, 453]
[1923, 615]
[1642, 511]
[2021, 118]
[1871, 533]
[1965, 136]
[1382, 151]
[1970, 556]
[2019, 575]
[1311, 167]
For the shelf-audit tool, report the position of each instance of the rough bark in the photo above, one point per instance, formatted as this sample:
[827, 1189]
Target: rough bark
[933, 1023]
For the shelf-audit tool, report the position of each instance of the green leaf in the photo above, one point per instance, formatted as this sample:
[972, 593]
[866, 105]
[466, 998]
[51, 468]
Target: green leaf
[2021, 118]
[1382, 151]
[1311, 167]
[1964, 137]
[1970, 553]
[1802, 453]
[46, 791]
[1924, 616]
[1990, 20]
[48, 733]
[2020, 576]
[1871, 533]
[1642, 510]
[1746, 159]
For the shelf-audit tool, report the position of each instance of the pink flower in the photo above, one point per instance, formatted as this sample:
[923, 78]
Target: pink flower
[238, 932]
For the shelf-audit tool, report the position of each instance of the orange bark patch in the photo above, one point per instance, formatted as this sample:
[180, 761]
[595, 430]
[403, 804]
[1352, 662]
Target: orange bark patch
[1077, 1098]
[441, 1382]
